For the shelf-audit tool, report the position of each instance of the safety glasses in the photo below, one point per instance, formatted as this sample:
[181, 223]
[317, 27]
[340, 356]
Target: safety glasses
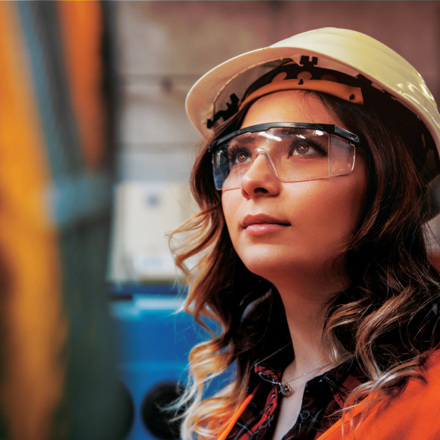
[294, 152]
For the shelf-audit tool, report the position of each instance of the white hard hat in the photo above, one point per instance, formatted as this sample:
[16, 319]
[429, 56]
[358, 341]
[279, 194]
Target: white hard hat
[219, 93]
[341, 50]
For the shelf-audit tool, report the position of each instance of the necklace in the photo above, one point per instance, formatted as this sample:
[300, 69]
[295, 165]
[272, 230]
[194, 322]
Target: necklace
[283, 387]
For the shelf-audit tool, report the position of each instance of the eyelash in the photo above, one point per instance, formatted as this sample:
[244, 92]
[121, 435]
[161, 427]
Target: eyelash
[234, 151]
[315, 146]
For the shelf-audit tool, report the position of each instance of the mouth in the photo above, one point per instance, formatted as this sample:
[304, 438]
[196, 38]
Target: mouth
[262, 219]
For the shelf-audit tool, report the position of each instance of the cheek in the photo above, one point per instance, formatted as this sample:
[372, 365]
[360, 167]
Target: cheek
[357, 194]
[329, 211]
[233, 212]
[343, 210]
[229, 207]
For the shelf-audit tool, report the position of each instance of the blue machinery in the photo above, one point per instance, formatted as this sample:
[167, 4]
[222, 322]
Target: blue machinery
[154, 340]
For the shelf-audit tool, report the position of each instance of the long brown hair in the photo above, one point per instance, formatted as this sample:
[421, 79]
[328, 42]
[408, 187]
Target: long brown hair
[391, 305]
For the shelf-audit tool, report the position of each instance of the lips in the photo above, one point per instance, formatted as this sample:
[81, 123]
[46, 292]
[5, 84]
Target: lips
[262, 219]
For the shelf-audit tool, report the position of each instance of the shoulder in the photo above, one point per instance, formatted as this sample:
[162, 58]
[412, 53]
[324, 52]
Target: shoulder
[413, 414]
[421, 397]
[432, 364]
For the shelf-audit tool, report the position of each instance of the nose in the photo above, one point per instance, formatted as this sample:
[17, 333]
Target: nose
[260, 178]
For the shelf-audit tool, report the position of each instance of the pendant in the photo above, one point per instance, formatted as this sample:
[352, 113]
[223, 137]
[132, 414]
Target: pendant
[284, 389]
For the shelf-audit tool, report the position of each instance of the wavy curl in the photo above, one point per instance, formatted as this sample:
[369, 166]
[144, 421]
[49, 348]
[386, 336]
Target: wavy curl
[391, 305]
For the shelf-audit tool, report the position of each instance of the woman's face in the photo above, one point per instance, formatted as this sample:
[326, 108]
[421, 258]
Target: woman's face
[284, 230]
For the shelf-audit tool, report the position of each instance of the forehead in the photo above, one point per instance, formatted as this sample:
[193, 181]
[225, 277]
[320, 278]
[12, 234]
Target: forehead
[289, 106]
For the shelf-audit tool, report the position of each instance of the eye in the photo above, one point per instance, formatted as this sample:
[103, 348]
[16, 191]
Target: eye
[238, 155]
[302, 150]
[306, 149]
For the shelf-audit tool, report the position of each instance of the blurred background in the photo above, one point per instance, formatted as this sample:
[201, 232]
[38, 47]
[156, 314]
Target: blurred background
[96, 152]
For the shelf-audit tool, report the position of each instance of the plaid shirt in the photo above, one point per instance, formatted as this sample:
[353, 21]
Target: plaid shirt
[323, 396]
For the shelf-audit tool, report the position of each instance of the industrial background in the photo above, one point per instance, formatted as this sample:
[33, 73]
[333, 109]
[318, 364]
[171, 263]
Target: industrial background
[96, 154]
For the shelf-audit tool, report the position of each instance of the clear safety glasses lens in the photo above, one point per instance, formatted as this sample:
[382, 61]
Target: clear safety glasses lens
[294, 152]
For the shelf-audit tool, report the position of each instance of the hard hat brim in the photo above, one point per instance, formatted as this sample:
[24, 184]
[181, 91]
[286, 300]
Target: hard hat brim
[342, 50]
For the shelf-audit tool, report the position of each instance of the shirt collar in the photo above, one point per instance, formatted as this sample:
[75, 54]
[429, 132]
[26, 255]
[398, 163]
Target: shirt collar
[341, 379]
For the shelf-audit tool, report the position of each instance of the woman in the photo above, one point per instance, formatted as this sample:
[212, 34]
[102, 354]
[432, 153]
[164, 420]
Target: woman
[314, 186]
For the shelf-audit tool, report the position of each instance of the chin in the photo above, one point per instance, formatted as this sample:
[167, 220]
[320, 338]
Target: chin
[276, 267]
[271, 268]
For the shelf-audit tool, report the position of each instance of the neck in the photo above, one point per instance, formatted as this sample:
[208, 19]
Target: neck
[304, 301]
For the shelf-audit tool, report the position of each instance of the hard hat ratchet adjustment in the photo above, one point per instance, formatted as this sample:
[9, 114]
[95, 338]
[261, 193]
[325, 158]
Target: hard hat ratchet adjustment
[339, 62]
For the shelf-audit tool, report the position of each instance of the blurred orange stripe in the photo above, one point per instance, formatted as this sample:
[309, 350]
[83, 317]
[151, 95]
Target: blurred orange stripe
[81, 28]
[33, 328]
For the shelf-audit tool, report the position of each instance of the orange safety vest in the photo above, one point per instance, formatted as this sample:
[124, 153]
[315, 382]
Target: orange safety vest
[413, 415]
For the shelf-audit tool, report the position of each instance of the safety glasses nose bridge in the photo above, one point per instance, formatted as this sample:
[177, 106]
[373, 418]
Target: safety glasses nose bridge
[258, 152]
